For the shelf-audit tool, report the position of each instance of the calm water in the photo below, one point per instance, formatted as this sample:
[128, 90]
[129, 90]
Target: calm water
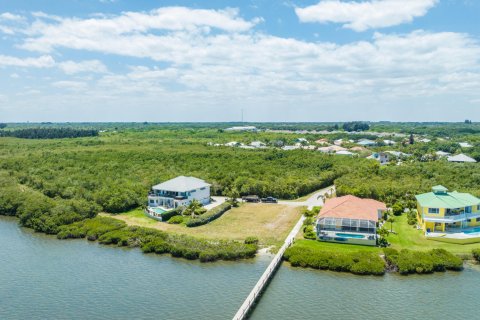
[43, 278]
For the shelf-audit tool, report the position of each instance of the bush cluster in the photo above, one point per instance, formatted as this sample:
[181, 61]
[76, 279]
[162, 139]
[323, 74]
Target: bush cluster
[172, 213]
[211, 215]
[111, 231]
[408, 261]
[361, 263]
[476, 254]
[175, 220]
[90, 228]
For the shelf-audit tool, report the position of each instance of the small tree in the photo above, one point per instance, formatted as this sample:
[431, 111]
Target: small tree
[397, 209]
[232, 196]
[411, 140]
[391, 219]
[194, 209]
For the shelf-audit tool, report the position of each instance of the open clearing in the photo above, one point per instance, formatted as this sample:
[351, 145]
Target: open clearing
[271, 223]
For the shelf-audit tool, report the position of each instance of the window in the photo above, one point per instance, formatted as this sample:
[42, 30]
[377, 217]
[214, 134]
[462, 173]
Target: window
[468, 209]
[433, 210]
[478, 219]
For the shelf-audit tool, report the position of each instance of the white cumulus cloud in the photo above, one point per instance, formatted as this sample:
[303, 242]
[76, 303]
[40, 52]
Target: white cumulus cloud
[364, 15]
[89, 66]
[39, 62]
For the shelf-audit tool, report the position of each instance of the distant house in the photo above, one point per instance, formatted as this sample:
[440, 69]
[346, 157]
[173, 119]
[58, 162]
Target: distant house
[381, 157]
[465, 145]
[331, 149]
[349, 219]
[461, 158]
[345, 153]
[233, 144]
[442, 211]
[338, 142]
[301, 140]
[359, 149]
[442, 154]
[289, 148]
[322, 142]
[366, 143]
[258, 144]
[389, 142]
[242, 128]
[424, 140]
[179, 191]
[399, 154]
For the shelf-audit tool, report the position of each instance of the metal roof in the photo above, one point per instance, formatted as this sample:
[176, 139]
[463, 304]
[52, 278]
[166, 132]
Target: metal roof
[448, 200]
[181, 184]
[461, 158]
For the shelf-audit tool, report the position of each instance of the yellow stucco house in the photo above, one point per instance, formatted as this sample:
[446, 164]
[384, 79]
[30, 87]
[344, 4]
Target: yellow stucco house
[440, 210]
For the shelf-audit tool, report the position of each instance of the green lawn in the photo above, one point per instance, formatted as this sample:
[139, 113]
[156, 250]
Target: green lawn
[408, 237]
[338, 247]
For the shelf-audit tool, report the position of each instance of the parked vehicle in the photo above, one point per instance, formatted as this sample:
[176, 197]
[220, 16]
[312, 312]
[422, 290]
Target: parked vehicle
[252, 198]
[269, 200]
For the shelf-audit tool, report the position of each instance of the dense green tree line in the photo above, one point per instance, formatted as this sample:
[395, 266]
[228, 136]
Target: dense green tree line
[49, 183]
[49, 133]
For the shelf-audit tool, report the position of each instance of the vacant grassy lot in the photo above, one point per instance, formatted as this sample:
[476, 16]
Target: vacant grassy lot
[271, 223]
[408, 237]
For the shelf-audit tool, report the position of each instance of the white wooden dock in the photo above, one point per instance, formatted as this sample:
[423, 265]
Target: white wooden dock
[249, 302]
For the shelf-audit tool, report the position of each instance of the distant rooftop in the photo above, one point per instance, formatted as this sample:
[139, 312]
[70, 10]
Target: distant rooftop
[181, 184]
[242, 128]
[461, 158]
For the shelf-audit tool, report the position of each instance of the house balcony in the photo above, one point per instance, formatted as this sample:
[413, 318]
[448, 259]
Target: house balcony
[452, 218]
[152, 195]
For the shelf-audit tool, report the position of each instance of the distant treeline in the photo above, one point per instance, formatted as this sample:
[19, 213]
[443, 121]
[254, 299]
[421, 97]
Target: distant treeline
[49, 133]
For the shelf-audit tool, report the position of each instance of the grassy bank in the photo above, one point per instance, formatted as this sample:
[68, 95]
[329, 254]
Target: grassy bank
[115, 232]
[358, 261]
[408, 237]
[270, 223]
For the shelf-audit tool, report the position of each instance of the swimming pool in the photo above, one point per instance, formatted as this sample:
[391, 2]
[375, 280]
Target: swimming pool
[158, 210]
[474, 230]
[350, 235]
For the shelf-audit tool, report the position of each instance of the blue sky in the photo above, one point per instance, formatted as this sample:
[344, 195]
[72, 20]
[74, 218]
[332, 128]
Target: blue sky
[329, 60]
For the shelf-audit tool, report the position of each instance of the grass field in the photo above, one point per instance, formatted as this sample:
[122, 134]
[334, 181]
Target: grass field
[271, 223]
[408, 237]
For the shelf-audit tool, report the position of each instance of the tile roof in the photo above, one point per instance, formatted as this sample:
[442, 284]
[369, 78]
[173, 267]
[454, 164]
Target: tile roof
[352, 207]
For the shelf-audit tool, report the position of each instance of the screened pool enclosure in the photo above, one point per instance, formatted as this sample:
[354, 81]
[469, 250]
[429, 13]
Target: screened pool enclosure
[346, 224]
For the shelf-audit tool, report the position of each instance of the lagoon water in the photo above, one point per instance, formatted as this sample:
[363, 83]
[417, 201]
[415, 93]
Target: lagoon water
[44, 278]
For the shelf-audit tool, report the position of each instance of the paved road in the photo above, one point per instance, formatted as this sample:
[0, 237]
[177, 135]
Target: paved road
[315, 199]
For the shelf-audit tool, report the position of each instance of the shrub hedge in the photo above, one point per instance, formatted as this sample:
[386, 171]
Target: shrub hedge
[361, 263]
[110, 231]
[209, 216]
[90, 228]
[408, 261]
[476, 254]
[169, 214]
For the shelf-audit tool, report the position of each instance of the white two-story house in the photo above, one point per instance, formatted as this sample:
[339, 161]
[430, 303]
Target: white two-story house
[179, 191]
